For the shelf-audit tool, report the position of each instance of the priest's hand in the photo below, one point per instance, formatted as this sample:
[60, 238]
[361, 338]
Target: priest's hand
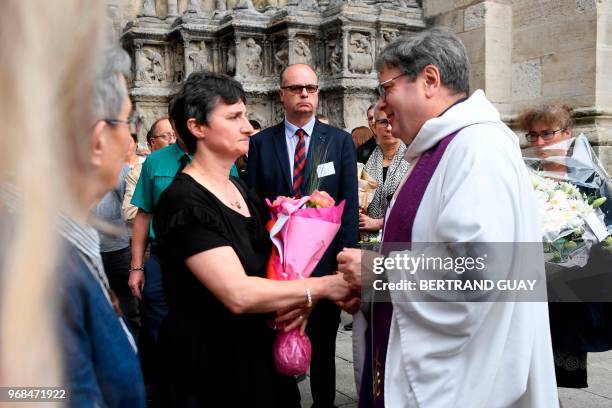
[349, 265]
[356, 267]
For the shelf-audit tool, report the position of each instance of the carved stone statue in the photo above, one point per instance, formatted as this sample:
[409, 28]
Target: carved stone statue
[149, 66]
[335, 58]
[231, 61]
[301, 52]
[281, 59]
[388, 37]
[253, 57]
[198, 58]
[360, 55]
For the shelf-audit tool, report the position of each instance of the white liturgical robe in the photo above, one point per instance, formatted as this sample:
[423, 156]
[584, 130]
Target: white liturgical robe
[470, 354]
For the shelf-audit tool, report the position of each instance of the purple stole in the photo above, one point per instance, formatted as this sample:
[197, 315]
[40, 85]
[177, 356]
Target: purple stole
[398, 228]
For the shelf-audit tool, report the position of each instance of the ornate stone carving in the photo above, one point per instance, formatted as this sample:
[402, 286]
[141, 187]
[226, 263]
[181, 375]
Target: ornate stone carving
[387, 38]
[252, 60]
[197, 56]
[149, 66]
[335, 57]
[281, 57]
[301, 52]
[360, 54]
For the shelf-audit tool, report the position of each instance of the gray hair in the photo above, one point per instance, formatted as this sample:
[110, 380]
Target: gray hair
[109, 90]
[438, 47]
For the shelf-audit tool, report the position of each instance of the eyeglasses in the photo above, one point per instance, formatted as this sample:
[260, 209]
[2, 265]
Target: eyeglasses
[134, 123]
[166, 136]
[383, 122]
[381, 89]
[297, 89]
[546, 135]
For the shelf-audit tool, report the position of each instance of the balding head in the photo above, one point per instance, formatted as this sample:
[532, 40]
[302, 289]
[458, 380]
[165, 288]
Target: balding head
[299, 93]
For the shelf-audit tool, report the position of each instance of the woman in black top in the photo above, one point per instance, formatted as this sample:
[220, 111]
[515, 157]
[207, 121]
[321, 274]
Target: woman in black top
[216, 345]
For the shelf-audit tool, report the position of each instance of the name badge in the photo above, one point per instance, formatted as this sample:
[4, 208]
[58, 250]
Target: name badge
[325, 169]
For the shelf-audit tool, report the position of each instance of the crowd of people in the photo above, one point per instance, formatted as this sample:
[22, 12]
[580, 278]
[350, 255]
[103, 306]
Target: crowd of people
[133, 281]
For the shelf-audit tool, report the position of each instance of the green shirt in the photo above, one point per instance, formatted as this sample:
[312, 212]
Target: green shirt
[157, 173]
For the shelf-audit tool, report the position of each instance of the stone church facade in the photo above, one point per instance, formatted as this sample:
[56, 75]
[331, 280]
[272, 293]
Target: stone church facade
[522, 52]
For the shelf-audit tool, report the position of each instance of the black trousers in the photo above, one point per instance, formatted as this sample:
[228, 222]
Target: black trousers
[117, 268]
[322, 330]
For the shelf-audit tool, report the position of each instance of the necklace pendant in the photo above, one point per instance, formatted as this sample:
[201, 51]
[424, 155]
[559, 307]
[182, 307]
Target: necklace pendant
[237, 204]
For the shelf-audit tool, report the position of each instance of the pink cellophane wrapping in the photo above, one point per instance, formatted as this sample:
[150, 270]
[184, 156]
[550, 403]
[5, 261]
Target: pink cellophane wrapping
[292, 352]
[301, 236]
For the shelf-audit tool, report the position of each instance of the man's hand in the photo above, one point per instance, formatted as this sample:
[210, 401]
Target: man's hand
[136, 283]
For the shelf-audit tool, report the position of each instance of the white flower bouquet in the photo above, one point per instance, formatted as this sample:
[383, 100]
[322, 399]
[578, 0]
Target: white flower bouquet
[574, 202]
[564, 212]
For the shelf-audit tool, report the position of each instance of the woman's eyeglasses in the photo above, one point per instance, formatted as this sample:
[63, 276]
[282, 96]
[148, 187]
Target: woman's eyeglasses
[383, 122]
[545, 135]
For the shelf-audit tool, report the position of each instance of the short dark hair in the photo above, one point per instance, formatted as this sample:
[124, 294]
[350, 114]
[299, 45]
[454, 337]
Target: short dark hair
[198, 97]
[256, 125]
[151, 131]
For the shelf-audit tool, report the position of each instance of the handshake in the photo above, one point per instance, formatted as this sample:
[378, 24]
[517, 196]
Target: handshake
[350, 263]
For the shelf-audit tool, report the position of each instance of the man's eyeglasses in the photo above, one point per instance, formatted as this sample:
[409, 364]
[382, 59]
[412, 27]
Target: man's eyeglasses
[383, 122]
[381, 89]
[166, 136]
[297, 89]
[134, 123]
[545, 135]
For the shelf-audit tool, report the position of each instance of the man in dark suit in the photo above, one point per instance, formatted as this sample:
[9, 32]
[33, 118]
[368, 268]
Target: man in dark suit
[293, 158]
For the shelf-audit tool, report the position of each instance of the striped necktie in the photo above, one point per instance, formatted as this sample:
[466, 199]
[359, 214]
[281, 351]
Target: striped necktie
[299, 162]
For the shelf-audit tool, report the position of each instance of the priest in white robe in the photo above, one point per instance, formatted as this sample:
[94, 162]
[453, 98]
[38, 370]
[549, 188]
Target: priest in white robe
[455, 354]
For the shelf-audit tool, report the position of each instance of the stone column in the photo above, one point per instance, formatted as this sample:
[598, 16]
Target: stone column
[148, 9]
[215, 57]
[373, 49]
[223, 59]
[290, 39]
[267, 57]
[239, 57]
[193, 7]
[188, 66]
[137, 61]
[345, 49]
[172, 8]
[319, 54]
